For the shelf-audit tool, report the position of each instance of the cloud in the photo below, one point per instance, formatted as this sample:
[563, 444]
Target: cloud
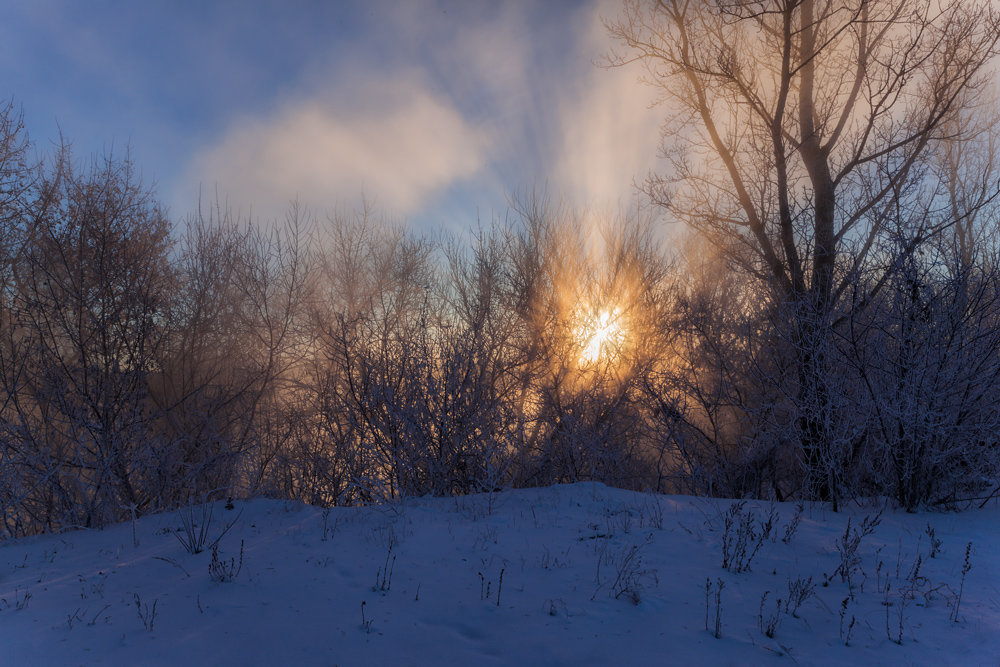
[438, 112]
[395, 141]
[609, 134]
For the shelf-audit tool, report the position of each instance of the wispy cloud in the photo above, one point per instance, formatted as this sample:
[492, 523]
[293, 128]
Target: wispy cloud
[441, 104]
[395, 141]
[609, 132]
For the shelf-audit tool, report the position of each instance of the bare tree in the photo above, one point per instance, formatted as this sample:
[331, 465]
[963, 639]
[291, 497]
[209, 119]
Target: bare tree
[718, 415]
[91, 294]
[18, 177]
[928, 361]
[373, 303]
[236, 338]
[799, 140]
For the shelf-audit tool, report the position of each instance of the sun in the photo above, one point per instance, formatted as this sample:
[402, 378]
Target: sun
[600, 335]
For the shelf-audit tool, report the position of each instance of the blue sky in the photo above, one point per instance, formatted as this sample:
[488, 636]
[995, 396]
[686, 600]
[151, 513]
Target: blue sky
[437, 111]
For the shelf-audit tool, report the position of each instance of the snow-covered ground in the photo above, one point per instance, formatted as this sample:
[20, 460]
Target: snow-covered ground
[575, 575]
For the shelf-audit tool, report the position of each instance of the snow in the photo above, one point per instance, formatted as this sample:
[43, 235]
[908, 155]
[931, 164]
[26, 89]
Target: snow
[308, 576]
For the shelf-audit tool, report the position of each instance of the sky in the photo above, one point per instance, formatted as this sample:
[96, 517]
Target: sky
[437, 112]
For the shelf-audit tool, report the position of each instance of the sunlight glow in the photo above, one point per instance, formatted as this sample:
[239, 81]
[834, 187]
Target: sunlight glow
[599, 336]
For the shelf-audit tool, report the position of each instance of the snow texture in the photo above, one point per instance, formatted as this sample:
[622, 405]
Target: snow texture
[569, 575]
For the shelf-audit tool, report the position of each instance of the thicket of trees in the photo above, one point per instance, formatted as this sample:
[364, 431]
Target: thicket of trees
[830, 328]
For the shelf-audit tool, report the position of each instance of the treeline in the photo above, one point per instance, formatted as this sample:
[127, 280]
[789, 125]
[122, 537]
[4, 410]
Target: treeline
[342, 360]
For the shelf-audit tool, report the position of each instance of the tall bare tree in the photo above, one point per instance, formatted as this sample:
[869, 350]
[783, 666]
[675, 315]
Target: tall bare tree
[799, 140]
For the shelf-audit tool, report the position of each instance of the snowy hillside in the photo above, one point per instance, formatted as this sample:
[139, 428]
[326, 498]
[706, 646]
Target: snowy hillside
[580, 574]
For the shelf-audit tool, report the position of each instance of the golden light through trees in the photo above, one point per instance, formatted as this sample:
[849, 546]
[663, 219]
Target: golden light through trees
[600, 335]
